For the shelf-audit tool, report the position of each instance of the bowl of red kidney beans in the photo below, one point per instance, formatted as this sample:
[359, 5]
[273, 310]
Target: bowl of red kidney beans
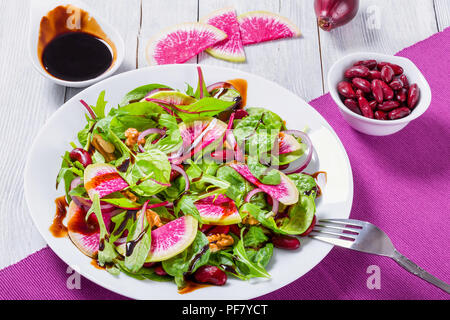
[378, 94]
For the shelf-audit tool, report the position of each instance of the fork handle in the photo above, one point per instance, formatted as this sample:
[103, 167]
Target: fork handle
[418, 271]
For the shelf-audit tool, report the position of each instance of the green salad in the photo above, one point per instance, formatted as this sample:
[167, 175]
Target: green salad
[189, 187]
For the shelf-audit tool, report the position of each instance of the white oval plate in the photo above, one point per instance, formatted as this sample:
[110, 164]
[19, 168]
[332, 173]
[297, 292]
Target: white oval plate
[286, 266]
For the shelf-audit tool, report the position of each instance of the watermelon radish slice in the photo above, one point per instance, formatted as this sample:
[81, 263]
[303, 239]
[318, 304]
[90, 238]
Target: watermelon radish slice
[260, 26]
[85, 236]
[102, 179]
[286, 192]
[172, 238]
[180, 43]
[287, 143]
[172, 97]
[230, 49]
[218, 210]
[197, 135]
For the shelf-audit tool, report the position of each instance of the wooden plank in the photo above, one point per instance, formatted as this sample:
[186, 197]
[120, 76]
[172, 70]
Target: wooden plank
[381, 26]
[158, 15]
[27, 100]
[442, 10]
[125, 16]
[292, 63]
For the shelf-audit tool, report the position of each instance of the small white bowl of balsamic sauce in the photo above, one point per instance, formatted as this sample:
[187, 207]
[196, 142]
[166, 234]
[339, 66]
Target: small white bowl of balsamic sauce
[71, 46]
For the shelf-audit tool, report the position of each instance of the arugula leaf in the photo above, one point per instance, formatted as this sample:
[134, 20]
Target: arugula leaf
[299, 217]
[261, 256]
[254, 237]
[188, 261]
[108, 253]
[99, 108]
[140, 92]
[171, 141]
[119, 200]
[255, 269]
[149, 167]
[186, 205]
[124, 218]
[142, 274]
[202, 108]
[202, 174]
[140, 236]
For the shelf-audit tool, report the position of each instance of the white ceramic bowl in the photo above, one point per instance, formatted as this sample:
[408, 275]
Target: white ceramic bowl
[40, 8]
[373, 126]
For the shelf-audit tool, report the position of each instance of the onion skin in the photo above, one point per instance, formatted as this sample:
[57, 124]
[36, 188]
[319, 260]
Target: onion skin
[335, 13]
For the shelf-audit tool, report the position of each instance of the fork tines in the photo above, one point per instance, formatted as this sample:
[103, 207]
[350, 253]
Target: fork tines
[341, 232]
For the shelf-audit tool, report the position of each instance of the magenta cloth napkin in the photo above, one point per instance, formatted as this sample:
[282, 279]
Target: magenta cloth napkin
[401, 185]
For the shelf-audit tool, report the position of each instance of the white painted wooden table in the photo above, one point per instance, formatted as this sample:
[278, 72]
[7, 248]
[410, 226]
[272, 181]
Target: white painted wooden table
[27, 99]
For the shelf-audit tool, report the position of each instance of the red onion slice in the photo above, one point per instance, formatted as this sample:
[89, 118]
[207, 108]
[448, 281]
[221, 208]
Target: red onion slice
[300, 164]
[75, 183]
[184, 174]
[145, 133]
[275, 203]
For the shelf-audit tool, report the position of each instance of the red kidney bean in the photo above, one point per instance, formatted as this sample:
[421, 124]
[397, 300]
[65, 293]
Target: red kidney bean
[388, 93]
[401, 95]
[388, 105]
[81, 155]
[361, 84]
[210, 274]
[310, 228]
[396, 68]
[366, 63]
[380, 115]
[377, 90]
[413, 96]
[404, 79]
[365, 108]
[205, 227]
[345, 89]
[160, 271]
[219, 230]
[399, 113]
[373, 104]
[396, 84]
[356, 71]
[235, 229]
[374, 74]
[285, 242]
[359, 93]
[352, 105]
[240, 113]
[149, 264]
[387, 73]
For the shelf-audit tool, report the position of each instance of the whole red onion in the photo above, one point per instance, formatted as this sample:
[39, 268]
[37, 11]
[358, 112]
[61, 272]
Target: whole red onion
[334, 13]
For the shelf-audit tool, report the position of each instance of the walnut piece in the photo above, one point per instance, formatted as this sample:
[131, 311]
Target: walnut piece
[219, 241]
[132, 136]
[250, 220]
[153, 218]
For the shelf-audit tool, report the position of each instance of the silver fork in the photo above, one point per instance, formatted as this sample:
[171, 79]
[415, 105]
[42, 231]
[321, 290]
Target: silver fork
[366, 237]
